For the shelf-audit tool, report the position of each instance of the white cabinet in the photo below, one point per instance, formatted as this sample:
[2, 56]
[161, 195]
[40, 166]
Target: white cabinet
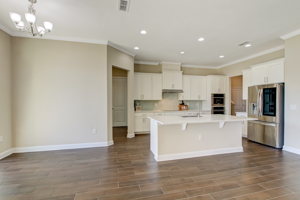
[194, 88]
[148, 86]
[268, 73]
[217, 84]
[172, 80]
[142, 123]
[156, 84]
[247, 82]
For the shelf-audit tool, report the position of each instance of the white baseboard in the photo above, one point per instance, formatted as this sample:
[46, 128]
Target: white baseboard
[197, 154]
[54, 148]
[291, 149]
[6, 153]
[130, 135]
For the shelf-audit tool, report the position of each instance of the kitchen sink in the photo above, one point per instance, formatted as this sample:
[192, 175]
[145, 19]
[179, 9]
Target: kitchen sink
[186, 116]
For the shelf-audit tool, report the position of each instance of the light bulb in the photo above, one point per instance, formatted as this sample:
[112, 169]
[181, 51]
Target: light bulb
[41, 30]
[48, 26]
[30, 18]
[20, 25]
[15, 17]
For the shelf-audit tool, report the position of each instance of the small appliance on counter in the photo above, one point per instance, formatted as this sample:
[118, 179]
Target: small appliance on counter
[182, 106]
[137, 106]
[218, 104]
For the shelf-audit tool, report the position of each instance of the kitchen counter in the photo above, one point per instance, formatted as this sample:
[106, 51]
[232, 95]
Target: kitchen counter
[175, 137]
[168, 120]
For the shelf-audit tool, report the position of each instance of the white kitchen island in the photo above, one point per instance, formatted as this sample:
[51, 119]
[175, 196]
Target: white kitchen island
[177, 137]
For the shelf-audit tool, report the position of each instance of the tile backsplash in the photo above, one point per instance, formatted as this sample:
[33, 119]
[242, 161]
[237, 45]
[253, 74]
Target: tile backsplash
[169, 102]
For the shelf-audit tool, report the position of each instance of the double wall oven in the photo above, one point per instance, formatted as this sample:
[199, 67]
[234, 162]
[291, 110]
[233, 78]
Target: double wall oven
[266, 103]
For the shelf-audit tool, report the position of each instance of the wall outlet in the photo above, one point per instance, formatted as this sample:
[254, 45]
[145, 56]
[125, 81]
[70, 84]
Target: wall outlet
[94, 131]
[1, 138]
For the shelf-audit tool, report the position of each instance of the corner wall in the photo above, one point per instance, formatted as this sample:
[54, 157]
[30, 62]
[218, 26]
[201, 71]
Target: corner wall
[59, 93]
[5, 93]
[121, 60]
[292, 95]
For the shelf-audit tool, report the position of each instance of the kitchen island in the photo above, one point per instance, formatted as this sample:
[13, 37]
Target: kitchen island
[178, 137]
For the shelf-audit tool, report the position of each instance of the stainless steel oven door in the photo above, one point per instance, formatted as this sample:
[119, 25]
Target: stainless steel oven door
[270, 103]
[270, 134]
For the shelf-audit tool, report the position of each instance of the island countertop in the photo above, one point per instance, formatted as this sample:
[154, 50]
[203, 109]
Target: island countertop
[170, 120]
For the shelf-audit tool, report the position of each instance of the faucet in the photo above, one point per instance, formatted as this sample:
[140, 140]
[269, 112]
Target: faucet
[199, 112]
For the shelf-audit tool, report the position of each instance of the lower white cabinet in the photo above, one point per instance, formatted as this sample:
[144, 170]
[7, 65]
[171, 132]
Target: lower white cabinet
[142, 123]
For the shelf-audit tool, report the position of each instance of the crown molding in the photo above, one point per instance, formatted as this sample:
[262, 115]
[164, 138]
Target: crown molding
[290, 35]
[252, 56]
[145, 62]
[6, 30]
[170, 63]
[199, 66]
[111, 44]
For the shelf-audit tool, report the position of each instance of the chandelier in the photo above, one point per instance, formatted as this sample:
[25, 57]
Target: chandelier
[31, 26]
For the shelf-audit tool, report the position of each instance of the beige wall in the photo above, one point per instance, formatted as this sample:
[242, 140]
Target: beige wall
[5, 92]
[236, 69]
[117, 72]
[118, 59]
[59, 92]
[186, 70]
[292, 93]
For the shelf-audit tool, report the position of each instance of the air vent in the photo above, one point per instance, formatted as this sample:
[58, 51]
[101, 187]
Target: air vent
[124, 5]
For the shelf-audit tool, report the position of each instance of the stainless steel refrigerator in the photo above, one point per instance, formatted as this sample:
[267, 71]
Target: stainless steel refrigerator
[266, 103]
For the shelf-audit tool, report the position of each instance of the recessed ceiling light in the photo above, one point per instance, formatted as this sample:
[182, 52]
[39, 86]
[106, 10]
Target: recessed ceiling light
[221, 56]
[201, 39]
[245, 44]
[181, 52]
[136, 48]
[248, 45]
[143, 32]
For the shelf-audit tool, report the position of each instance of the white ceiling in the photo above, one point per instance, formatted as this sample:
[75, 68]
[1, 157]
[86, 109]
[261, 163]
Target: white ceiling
[172, 26]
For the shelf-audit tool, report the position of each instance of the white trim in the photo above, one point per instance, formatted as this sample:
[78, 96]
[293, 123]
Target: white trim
[145, 62]
[197, 154]
[6, 30]
[170, 63]
[199, 66]
[290, 35]
[291, 149]
[120, 48]
[6, 153]
[61, 147]
[130, 135]
[253, 56]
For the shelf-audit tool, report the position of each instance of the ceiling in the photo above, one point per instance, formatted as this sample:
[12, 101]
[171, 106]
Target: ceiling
[172, 26]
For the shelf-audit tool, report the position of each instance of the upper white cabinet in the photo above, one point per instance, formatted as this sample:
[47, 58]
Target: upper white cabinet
[268, 73]
[148, 86]
[172, 80]
[217, 84]
[264, 73]
[194, 88]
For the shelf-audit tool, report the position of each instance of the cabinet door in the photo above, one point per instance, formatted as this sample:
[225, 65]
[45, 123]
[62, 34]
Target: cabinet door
[203, 92]
[276, 72]
[156, 87]
[138, 124]
[259, 74]
[137, 87]
[172, 80]
[196, 87]
[145, 86]
[186, 88]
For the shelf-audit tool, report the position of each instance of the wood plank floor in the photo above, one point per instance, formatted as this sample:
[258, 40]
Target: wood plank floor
[127, 170]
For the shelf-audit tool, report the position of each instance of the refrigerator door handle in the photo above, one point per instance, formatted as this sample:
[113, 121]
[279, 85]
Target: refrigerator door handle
[260, 103]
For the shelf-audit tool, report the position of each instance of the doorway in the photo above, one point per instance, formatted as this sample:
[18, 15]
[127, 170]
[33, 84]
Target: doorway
[119, 104]
[237, 102]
